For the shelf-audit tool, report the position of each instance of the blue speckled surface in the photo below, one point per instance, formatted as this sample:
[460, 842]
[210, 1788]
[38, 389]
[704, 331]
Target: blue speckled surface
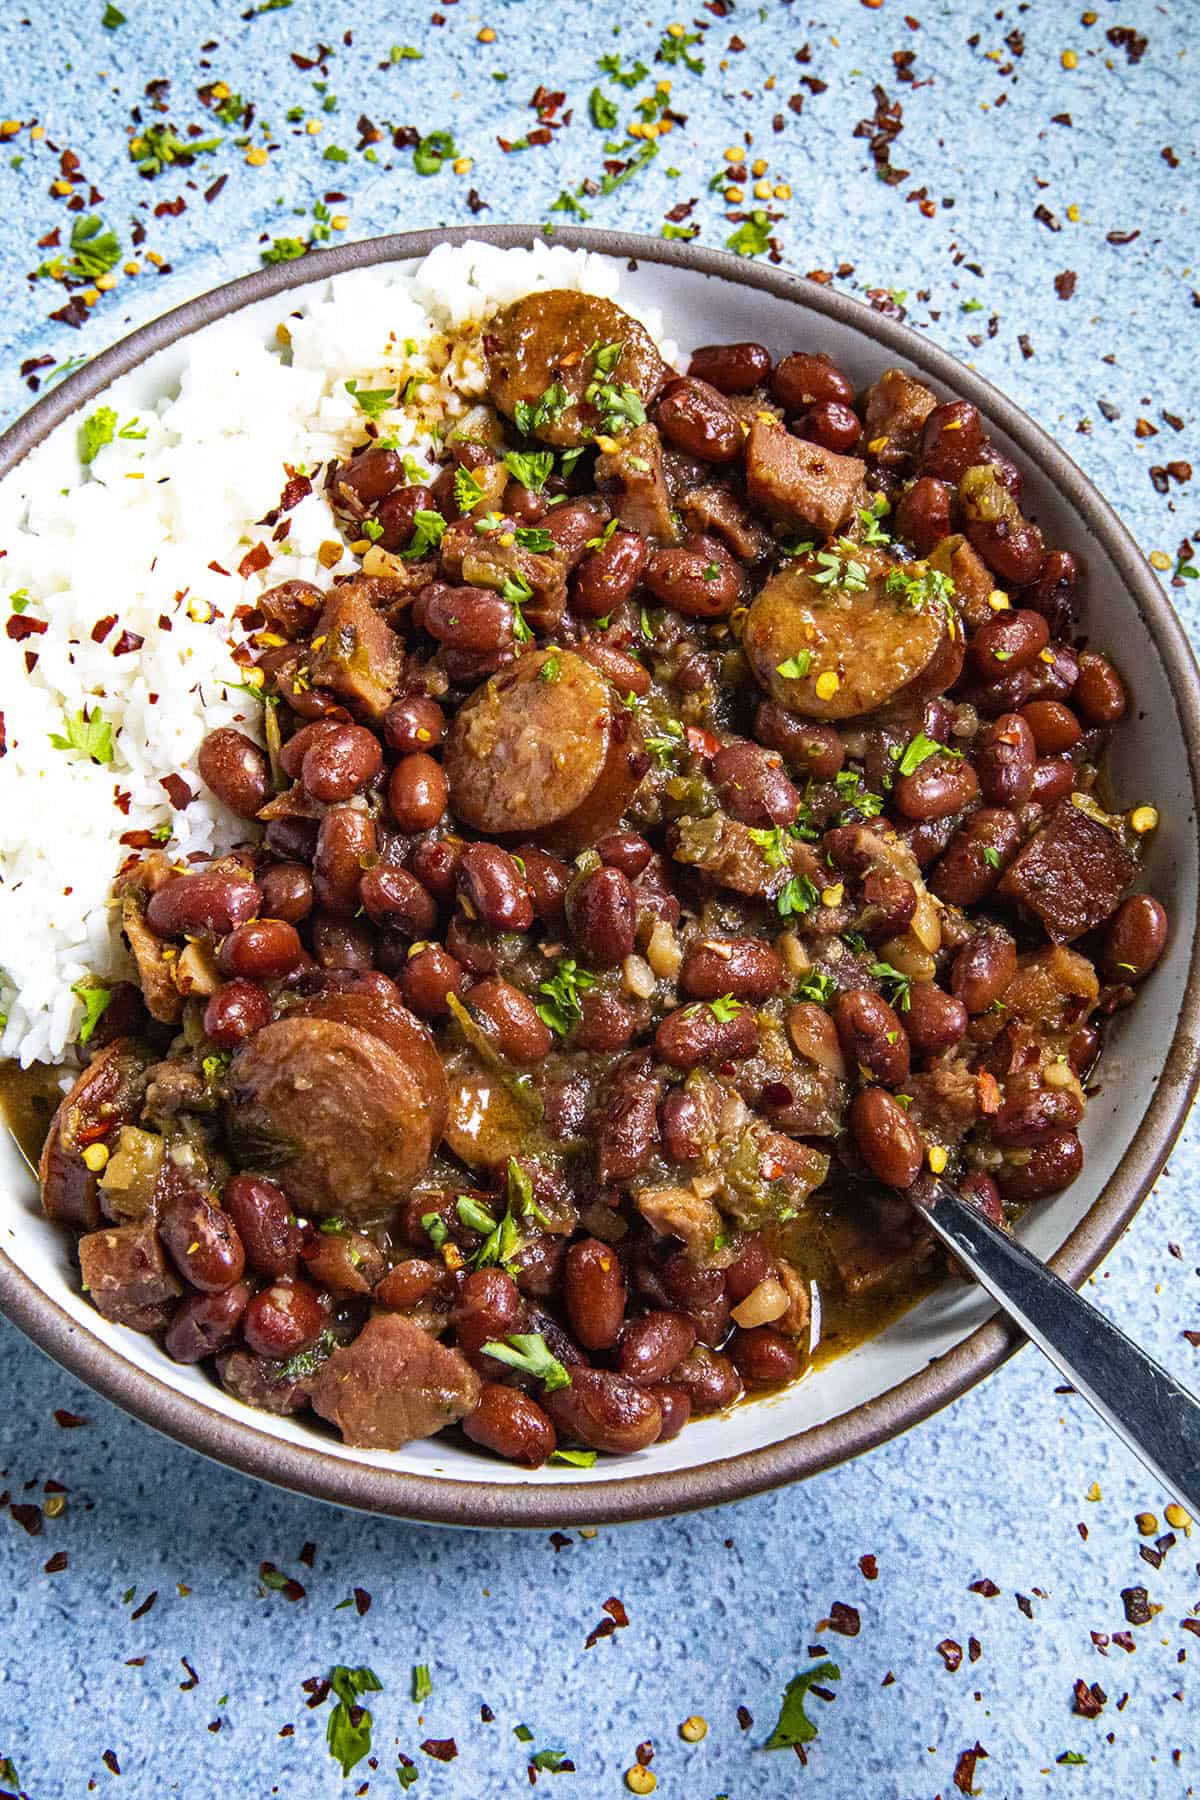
[723, 1607]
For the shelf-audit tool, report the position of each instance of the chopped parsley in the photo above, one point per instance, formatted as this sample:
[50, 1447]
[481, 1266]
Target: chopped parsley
[795, 668]
[95, 249]
[532, 468]
[991, 855]
[468, 492]
[799, 896]
[111, 17]
[87, 734]
[97, 430]
[517, 591]
[474, 1216]
[725, 1008]
[915, 592]
[372, 401]
[348, 1731]
[422, 1686]
[794, 1726]
[769, 839]
[675, 50]
[618, 405]
[858, 798]
[95, 998]
[664, 745]
[752, 236]
[535, 538]
[553, 1761]
[501, 1245]
[869, 517]
[551, 668]
[528, 1351]
[897, 986]
[562, 1007]
[530, 415]
[919, 750]
[284, 249]
[626, 78]
[435, 1228]
[801, 547]
[601, 110]
[818, 987]
[157, 147]
[841, 571]
[598, 543]
[405, 53]
[575, 1459]
[428, 530]
[434, 149]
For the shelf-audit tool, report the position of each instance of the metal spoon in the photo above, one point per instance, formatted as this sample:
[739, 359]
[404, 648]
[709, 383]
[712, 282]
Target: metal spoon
[1148, 1409]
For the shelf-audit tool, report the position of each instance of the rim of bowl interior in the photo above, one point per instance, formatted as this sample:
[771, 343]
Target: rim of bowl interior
[538, 1505]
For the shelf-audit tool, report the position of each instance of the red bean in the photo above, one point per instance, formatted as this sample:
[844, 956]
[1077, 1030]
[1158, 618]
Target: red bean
[923, 514]
[1008, 641]
[430, 977]
[763, 1357]
[291, 608]
[263, 1216]
[1099, 694]
[368, 476]
[236, 769]
[887, 1140]
[1083, 1049]
[489, 1309]
[468, 618]
[1031, 1113]
[417, 792]
[1053, 779]
[287, 892]
[1008, 693]
[1054, 726]
[653, 1345]
[831, 424]
[341, 762]
[697, 419]
[262, 950]
[983, 968]
[871, 1036]
[396, 515]
[346, 843]
[343, 943]
[1053, 593]
[753, 786]
[731, 368]
[608, 575]
[519, 1033]
[696, 1034]
[625, 850]
[940, 787]
[743, 967]
[414, 722]
[950, 440]
[805, 378]
[573, 526]
[1005, 760]
[603, 917]
[607, 1023]
[200, 905]
[1134, 939]
[407, 1283]
[512, 1425]
[676, 1406]
[810, 749]
[495, 887]
[291, 757]
[395, 899]
[283, 1319]
[935, 1021]
[202, 1324]
[752, 1265]
[203, 1243]
[709, 1379]
[1048, 1169]
[889, 905]
[235, 1012]
[684, 1126]
[344, 1262]
[606, 1412]
[293, 838]
[698, 578]
[594, 1293]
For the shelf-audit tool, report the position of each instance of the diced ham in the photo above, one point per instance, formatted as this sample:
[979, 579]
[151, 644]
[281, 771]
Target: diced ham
[1071, 874]
[126, 1275]
[800, 484]
[392, 1384]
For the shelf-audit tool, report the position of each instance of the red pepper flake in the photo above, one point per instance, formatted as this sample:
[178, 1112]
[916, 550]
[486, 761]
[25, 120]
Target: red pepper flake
[1192, 1625]
[869, 1567]
[1124, 37]
[141, 1611]
[1089, 1699]
[135, 1662]
[109, 1759]
[177, 790]
[216, 569]
[745, 1717]
[984, 1586]
[476, 204]
[951, 1654]
[604, 1629]
[1151, 1555]
[56, 1564]
[1121, 237]
[127, 643]
[1193, 1338]
[888, 1680]
[102, 627]
[215, 1725]
[560, 1541]
[68, 1420]
[254, 560]
[441, 1749]
[286, 1731]
[362, 1601]
[964, 1768]
[645, 1753]
[210, 193]
[1136, 1602]
[974, 1649]
[317, 1689]
[307, 1555]
[843, 1619]
[297, 489]
[486, 1715]
[193, 1680]
[616, 1612]
[1025, 1604]
[20, 627]
[29, 1518]
[1064, 284]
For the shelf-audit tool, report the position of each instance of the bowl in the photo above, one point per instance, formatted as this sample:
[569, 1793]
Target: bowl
[952, 1338]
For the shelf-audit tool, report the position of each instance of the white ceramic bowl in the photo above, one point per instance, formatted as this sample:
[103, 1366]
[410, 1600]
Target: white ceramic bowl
[951, 1339]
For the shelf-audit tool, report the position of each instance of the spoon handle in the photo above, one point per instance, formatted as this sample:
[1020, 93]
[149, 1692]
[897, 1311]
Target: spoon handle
[1147, 1408]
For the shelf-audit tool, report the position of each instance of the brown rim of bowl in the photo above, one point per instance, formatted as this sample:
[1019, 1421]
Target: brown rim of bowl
[314, 1471]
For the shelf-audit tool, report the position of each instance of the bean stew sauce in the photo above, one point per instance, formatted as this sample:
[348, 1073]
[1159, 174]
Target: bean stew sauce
[680, 839]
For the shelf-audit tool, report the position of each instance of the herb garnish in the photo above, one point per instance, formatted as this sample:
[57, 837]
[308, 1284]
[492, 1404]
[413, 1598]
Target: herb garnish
[95, 998]
[88, 734]
[818, 987]
[373, 401]
[422, 1686]
[529, 1352]
[899, 986]
[535, 538]
[919, 750]
[601, 110]
[532, 468]
[348, 1731]
[435, 148]
[725, 1008]
[468, 492]
[858, 798]
[428, 530]
[794, 1726]
[915, 592]
[562, 1008]
[529, 415]
[795, 668]
[799, 896]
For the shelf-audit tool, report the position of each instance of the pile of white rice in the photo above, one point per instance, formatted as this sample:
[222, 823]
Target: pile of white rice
[135, 535]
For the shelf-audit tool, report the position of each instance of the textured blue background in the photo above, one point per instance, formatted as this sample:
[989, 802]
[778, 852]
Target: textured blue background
[722, 1607]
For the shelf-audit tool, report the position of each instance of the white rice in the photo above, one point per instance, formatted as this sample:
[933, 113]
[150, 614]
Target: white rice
[134, 534]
